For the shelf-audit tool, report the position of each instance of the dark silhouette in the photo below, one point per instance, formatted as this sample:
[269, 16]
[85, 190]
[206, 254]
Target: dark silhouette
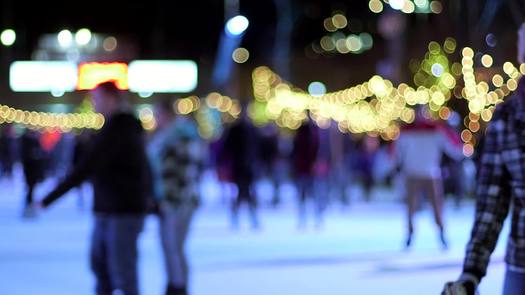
[304, 158]
[118, 167]
[7, 151]
[240, 147]
[33, 163]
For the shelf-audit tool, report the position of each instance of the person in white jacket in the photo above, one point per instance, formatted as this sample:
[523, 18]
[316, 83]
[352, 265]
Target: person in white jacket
[419, 151]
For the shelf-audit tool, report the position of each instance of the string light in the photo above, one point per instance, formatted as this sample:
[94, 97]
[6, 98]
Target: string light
[374, 106]
[62, 121]
[378, 106]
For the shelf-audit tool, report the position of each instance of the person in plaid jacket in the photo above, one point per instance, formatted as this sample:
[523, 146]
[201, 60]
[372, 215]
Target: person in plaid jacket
[501, 182]
[177, 155]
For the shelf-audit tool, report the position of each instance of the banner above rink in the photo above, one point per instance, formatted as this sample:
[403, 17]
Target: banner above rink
[153, 76]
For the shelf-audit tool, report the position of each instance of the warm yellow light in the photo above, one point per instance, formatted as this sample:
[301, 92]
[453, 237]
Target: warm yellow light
[235, 110]
[240, 55]
[376, 6]
[522, 69]
[497, 80]
[409, 7]
[146, 114]
[433, 47]
[436, 7]
[466, 135]
[83, 36]
[512, 84]
[475, 106]
[438, 98]
[450, 45]
[448, 80]
[110, 44]
[474, 126]
[184, 106]
[486, 61]
[408, 115]
[339, 21]
[212, 100]
[377, 86]
[486, 115]
[473, 117]
[327, 43]
[225, 104]
[354, 43]
[341, 46]
[508, 68]
[329, 25]
[468, 52]
[8, 37]
[444, 113]
[468, 150]
[93, 73]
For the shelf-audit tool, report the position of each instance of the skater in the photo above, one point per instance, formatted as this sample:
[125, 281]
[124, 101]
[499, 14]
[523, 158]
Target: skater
[500, 183]
[177, 154]
[419, 151]
[33, 164]
[118, 167]
[240, 147]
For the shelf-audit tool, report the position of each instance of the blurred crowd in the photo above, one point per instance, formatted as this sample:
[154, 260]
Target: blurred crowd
[134, 173]
[322, 163]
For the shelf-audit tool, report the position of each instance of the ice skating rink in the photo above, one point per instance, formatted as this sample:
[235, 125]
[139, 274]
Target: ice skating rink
[359, 250]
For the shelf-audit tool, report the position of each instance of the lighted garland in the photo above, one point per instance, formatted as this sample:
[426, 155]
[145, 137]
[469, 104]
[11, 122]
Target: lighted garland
[407, 6]
[378, 106]
[41, 120]
[375, 106]
[210, 113]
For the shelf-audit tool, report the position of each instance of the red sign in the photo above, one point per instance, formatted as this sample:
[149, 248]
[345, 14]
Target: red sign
[93, 73]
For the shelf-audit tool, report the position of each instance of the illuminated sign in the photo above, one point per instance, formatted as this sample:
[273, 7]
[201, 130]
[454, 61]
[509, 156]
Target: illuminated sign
[162, 76]
[43, 76]
[92, 74]
[143, 76]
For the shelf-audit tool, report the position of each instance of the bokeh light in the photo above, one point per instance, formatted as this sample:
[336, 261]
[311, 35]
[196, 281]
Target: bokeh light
[237, 25]
[8, 37]
[65, 38]
[110, 44]
[436, 7]
[83, 36]
[486, 60]
[376, 6]
[240, 55]
[339, 21]
[397, 4]
[317, 89]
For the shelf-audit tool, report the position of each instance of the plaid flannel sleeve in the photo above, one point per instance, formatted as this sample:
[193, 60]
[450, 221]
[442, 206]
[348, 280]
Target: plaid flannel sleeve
[492, 201]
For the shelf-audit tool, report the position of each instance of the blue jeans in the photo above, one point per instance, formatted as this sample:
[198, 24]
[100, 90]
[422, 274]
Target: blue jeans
[174, 227]
[514, 283]
[114, 253]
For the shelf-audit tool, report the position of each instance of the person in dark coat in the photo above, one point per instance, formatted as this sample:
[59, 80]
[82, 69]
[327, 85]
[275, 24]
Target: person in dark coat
[33, 163]
[7, 151]
[118, 167]
[268, 156]
[304, 158]
[240, 146]
[80, 150]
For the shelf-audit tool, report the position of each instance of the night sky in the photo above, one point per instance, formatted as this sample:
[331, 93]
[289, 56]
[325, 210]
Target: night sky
[191, 29]
[172, 28]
